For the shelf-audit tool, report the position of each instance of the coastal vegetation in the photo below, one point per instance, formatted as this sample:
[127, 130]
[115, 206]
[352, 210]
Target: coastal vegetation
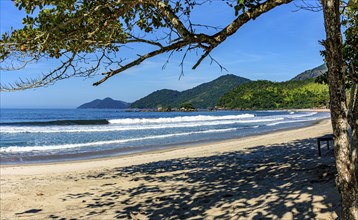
[202, 96]
[277, 95]
[234, 92]
[161, 98]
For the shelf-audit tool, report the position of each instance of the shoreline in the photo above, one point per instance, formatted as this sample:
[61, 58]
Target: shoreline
[277, 176]
[127, 151]
[9, 168]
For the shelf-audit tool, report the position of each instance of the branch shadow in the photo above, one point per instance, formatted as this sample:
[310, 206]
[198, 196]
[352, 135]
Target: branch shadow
[276, 182]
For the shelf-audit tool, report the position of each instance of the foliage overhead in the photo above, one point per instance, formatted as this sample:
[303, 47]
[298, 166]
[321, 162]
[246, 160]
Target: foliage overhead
[350, 46]
[87, 36]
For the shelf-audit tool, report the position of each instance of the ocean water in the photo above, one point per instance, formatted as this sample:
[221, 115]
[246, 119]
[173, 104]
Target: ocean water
[45, 135]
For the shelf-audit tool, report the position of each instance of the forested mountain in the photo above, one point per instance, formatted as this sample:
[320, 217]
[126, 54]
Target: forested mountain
[105, 103]
[202, 96]
[277, 95]
[312, 73]
[163, 98]
[231, 91]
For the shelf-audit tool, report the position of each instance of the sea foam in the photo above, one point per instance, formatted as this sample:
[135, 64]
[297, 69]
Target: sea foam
[15, 149]
[128, 127]
[179, 119]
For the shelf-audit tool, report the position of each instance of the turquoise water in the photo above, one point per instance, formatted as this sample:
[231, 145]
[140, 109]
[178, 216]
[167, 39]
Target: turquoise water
[37, 135]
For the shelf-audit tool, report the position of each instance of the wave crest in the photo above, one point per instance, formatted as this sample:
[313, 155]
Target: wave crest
[178, 119]
[58, 122]
[16, 149]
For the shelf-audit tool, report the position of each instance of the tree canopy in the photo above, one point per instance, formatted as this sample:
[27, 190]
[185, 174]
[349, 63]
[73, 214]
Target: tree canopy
[350, 49]
[74, 31]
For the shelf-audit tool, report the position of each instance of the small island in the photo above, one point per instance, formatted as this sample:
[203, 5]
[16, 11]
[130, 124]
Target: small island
[106, 103]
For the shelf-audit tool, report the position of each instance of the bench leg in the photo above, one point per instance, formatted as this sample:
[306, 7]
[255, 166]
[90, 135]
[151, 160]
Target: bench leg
[319, 148]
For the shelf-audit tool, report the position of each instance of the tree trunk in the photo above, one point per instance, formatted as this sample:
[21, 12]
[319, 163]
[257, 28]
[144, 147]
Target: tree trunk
[353, 111]
[353, 115]
[354, 127]
[345, 158]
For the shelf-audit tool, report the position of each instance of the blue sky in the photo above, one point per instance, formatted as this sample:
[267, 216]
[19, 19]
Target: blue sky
[276, 46]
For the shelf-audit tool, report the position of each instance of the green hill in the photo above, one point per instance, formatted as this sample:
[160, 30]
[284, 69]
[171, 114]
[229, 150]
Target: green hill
[106, 103]
[202, 96]
[277, 95]
[312, 73]
[163, 97]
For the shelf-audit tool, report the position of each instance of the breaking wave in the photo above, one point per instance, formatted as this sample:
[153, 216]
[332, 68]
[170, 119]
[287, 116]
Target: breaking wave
[127, 127]
[15, 149]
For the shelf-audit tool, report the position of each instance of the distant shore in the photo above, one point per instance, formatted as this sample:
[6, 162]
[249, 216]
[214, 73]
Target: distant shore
[275, 175]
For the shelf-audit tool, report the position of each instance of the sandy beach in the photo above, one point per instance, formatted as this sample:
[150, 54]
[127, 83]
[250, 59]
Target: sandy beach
[277, 176]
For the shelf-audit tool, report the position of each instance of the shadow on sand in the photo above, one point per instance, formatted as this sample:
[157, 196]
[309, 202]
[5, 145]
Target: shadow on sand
[275, 182]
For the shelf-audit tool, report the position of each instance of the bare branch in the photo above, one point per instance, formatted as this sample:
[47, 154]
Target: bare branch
[207, 52]
[242, 19]
[43, 81]
[138, 61]
[173, 19]
[141, 40]
[215, 61]
[309, 6]
[167, 61]
[182, 63]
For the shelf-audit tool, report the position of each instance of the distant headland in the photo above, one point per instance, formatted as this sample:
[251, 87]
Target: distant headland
[106, 103]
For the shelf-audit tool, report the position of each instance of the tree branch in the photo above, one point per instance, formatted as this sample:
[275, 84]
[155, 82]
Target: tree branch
[43, 81]
[79, 41]
[138, 61]
[172, 17]
[207, 52]
[252, 13]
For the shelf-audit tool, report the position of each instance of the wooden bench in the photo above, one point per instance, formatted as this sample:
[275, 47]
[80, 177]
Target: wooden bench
[327, 138]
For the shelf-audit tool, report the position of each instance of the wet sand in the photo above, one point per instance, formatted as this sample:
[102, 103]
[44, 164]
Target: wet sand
[277, 176]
